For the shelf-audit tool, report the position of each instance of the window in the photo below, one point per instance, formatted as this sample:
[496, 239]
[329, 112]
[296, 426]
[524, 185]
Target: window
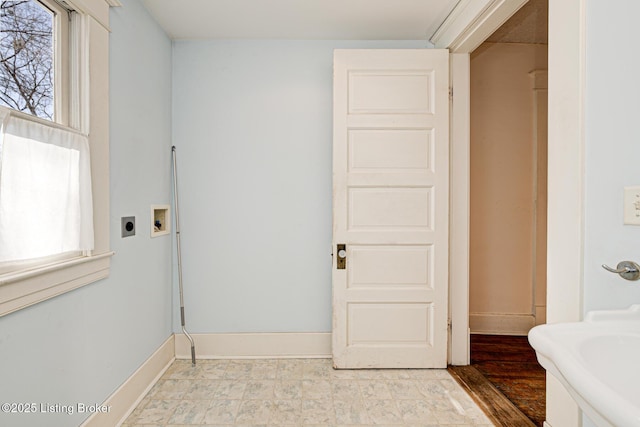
[45, 192]
[34, 47]
[40, 180]
[58, 120]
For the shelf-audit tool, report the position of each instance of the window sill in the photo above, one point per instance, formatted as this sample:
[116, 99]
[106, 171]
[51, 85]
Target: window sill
[24, 288]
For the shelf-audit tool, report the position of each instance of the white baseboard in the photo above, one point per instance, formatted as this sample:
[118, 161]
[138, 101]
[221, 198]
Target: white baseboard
[124, 400]
[546, 424]
[255, 345]
[501, 324]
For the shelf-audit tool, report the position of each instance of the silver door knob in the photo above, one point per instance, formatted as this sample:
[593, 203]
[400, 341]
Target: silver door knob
[626, 269]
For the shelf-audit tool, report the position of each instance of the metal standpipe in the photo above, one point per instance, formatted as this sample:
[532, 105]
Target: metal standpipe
[177, 210]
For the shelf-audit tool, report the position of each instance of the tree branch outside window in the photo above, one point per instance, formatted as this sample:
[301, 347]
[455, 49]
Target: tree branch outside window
[26, 57]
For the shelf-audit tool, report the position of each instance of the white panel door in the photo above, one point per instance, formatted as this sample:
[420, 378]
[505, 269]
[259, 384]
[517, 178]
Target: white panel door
[390, 208]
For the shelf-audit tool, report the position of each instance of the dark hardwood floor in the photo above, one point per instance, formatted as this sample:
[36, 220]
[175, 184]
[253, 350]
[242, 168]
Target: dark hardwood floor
[500, 410]
[510, 364]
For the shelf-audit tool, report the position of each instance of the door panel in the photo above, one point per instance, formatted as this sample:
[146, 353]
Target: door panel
[390, 173]
[391, 92]
[389, 208]
[390, 266]
[386, 150]
[388, 324]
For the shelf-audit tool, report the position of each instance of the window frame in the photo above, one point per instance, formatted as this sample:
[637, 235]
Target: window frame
[62, 63]
[61, 59]
[87, 112]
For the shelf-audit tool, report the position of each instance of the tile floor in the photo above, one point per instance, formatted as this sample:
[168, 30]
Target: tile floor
[302, 392]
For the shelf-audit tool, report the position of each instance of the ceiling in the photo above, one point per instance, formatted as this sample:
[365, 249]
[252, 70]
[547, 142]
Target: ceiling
[528, 25]
[300, 19]
[331, 19]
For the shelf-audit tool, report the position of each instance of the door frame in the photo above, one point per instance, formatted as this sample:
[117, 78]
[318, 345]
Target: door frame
[466, 28]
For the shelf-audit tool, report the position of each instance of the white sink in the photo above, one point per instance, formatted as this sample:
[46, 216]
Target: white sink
[598, 362]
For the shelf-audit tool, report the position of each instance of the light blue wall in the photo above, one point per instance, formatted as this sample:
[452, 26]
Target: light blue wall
[612, 151]
[253, 128]
[81, 346]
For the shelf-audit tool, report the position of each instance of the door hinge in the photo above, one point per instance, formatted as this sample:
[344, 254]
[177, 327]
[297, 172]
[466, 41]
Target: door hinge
[449, 324]
[451, 93]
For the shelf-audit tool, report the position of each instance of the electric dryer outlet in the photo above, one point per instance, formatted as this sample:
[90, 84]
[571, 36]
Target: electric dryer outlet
[128, 226]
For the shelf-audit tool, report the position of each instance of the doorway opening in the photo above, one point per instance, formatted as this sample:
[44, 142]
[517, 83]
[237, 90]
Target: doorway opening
[507, 283]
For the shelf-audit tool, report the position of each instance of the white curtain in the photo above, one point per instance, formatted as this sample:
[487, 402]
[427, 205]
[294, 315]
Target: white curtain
[45, 190]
